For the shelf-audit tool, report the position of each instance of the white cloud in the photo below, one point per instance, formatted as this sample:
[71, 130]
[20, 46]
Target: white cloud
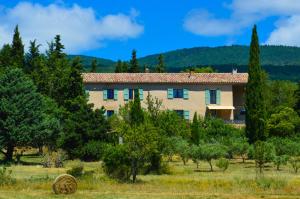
[287, 33]
[79, 27]
[246, 13]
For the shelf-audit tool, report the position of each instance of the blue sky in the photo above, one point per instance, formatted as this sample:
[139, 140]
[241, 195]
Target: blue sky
[112, 28]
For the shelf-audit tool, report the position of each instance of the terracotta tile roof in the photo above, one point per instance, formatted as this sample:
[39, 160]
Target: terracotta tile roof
[219, 78]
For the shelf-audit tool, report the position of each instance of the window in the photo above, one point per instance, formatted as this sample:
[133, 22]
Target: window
[110, 93]
[177, 93]
[180, 113]
[110, 113]
[132, 92]
[213, 96]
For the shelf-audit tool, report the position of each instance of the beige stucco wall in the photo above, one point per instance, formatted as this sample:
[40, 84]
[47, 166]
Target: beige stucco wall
[195, 103]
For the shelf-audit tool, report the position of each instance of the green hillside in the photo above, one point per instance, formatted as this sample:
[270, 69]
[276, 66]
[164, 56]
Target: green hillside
[104, 65]
[281, 62]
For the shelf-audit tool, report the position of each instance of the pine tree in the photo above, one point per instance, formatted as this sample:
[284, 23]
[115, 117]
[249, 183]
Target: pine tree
[195, 130]
[160, 68]
[134, 66]
[75, 80]
[57, 48]
[32, 58]
[17, 50]
[125, 67]
[5, 56]
[255, 95]
[119, 67]
[94, 66]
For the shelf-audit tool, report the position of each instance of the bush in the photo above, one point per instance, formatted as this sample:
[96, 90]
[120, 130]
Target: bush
[280, 160]
[92, 151]
[77, 170]
[5, 177]
[223, 164]
[271, 183]
[116, 162]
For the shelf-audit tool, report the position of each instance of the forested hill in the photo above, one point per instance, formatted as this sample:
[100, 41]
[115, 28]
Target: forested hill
[280, 62]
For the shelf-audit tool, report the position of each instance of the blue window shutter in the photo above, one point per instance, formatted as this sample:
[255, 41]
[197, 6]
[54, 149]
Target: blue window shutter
[170, 93]
[186, 115]
[126, 94]
[185, 93]
[115, 94]
[105, 94]
[207, 97]
[141, 93]
[218, 96]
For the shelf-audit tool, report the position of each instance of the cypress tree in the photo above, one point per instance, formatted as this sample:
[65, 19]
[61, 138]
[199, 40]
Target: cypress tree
[136, 111]
[125, 67]
[94, 66]
[134, 66]
[32, 57]
[195, 130]
[160, 68]
[17, 49]
[255, 95]
[58, 47]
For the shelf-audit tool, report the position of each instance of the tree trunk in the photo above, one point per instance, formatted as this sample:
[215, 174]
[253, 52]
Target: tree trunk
[134, 170]
[210, 164]
[9, 153]
[40, 150]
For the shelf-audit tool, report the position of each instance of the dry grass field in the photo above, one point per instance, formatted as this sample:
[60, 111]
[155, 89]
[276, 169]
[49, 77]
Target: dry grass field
[240, 181]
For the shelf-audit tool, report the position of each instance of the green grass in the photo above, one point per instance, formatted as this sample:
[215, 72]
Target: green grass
[185, 182]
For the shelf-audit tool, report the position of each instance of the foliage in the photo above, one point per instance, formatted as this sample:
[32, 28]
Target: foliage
[264, 152]
[279, 160]
[54, 159]
[92, 150]
[240, 147]
[207, 69]
[295, 163]
[195, 154]
[195, 130]
[160, 68]
[182, 149]
[94, 65]
[17, 50]
[117, 163]
[212, 151]
[223, 164]
[23, 117]
[134, 66]
[283, 122]
[6, 177]
[77, 170]
[255, 96]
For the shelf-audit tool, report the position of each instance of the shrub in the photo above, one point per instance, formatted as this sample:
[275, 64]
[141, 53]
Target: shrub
[270, 183]
[212, 151]
[92, 151]
[116, 162]
[295, 163]
[77, 170]
[5, 177]
[223, 164]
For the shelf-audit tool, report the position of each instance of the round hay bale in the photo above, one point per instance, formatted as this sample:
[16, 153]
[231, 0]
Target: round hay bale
[64, 184]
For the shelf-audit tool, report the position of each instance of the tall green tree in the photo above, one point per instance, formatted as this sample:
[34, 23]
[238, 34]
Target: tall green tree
[94, 65]
[17, 49]
[195, 130]
[134, 66]
[255, 94]
[136, 112]
[160, 68]
[32, 58]
[21, 112]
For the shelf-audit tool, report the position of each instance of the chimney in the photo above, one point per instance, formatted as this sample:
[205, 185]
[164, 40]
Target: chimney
[234, 71]
[147, 70]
